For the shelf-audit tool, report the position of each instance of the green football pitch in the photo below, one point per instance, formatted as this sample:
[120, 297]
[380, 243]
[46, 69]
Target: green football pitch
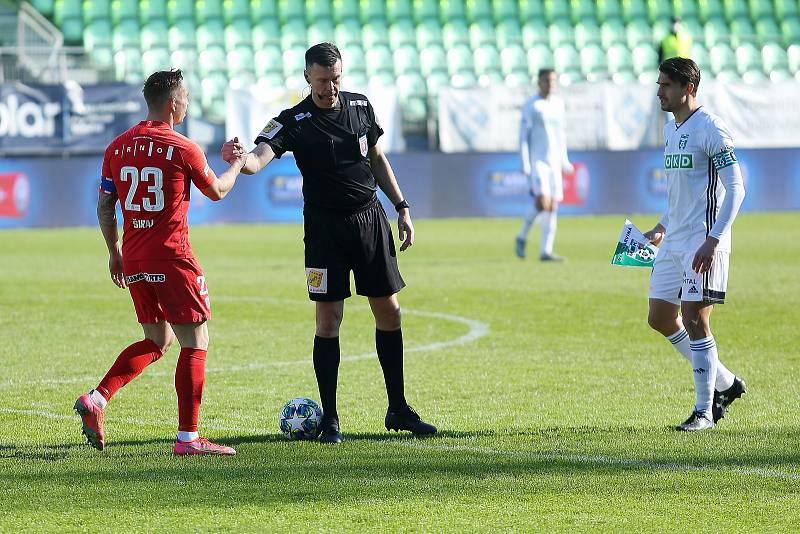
[554, 400]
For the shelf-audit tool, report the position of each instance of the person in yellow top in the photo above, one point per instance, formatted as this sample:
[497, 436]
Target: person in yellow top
[677, 43]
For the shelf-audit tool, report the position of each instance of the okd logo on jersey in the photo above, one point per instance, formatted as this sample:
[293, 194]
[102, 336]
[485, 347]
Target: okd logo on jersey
[678, 161]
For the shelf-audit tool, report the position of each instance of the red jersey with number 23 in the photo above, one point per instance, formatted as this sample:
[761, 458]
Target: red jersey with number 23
[150, 168]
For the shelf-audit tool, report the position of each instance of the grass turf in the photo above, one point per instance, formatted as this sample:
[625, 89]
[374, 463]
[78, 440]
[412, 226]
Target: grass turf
[553, 398]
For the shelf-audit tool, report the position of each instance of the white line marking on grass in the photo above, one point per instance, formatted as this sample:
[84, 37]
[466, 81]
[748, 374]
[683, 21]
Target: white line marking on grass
[603, 460]
[477, 329]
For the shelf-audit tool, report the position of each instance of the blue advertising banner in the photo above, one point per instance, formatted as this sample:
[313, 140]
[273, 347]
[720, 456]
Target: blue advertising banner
[54, 191]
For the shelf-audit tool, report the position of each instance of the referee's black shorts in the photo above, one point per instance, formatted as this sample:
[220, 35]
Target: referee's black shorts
[362, 242]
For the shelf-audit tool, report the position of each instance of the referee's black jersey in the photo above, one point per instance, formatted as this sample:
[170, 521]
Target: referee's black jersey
[330, 147]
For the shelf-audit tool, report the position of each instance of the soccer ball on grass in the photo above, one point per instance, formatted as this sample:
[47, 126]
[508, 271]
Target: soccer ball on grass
[301, 418]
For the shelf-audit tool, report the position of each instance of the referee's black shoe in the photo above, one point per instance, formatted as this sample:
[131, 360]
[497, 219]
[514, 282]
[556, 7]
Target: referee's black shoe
[407, 419]
[723, 399]
[330, 431]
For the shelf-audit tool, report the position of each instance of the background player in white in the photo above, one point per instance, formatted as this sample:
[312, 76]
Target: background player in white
[543, 146]
[690, 275]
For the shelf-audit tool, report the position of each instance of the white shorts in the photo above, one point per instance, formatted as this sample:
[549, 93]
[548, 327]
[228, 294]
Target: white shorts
[547, 182]
[673, 279]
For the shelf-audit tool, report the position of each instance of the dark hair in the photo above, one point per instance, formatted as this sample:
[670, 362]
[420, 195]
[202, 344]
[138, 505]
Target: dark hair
[681, 70]
[160, 86]
[323, 54]
[547, 71]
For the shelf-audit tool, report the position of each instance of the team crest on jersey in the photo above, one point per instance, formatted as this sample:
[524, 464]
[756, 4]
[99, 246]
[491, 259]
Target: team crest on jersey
[683, 140]
[362, 144]
[272, 128]
[317, 280]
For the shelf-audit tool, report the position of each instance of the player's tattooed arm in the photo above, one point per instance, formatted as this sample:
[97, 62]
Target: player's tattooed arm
[107, 218]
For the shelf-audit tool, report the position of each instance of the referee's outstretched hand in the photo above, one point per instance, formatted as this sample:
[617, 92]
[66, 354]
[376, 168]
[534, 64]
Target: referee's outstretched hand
[405, 230]
[231, 150]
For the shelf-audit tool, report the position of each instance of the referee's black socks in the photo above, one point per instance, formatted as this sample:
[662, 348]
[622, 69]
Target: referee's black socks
[326, 367]
[389, 345]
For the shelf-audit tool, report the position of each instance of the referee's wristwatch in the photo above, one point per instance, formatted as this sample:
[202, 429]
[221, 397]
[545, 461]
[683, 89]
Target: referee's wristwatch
[402, 204]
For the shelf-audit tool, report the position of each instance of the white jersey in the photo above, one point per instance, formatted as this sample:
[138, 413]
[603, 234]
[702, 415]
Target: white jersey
[704, 182]
[542, 141]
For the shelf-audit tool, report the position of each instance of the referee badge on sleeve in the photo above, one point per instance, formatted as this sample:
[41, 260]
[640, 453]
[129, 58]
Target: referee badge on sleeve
[317, 280]
[272, 128]
[362, 144]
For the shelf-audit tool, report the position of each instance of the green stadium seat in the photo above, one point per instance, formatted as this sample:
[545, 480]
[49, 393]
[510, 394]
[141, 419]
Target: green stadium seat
[645, 59]
[693, 27]
[152, 10]
[102, 57]
[455, 33]
[211, 60]
[354, 60]
[700, 56]
[426, 10]
[734, 9]
[508, 33]
[534, 32]
[406, 60]
[268, 60]
[716, 31]
[620, 59]
[793, 56]
[722, 58]
[786, 8]
[185, 59]
[482, 33]
[379, 59]
[531, 10]
[767, 31]
[561, 33]
[155, 34]
[505, 10]
[593, 62]
[709, 9]
[212, 97]
[397, 10]
[570, 77]
[587, 32]
[774, 58]
[686, 9]
[348, 33]
[375, 33]
[487, 59]
[429, 33]
[556, 10]
[98, 10]
[263, 9]
[373, 10]
[208, 10]
[748, 58]
[126, 35]
[318, 10]
[612, 32]
[241, 61]
[346, 10]
[322, 31]
[742, 31]
[66, 10]
[639, 32]
[491, 78]
[761, 9]
[128, 65]
[633, 10]
[238, 34]
[517, 79]
[45, 7]
[294, 63]
[658, 10]
[581, 10]
[539, 57]
[726, 76]
[463, 80]
[566, 59]
[434, 82]
[402, 33]
[155, 59]
[479, 10]
[382, 79]
[266, 32]
[355, 80]
[790, 31]
[179, 10]
[412, 86]
[294, 34]
[459, 59]
[211, 34]
[452, 10]
[608, 10]
[182, 35]
[754, 76]
[289, 10]
[433, 59]
[97, 34]
[72, 29]
[660, 29]
[236, 10]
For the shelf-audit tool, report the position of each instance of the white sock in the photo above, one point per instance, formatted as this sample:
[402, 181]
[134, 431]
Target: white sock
[98, 399]
[527, 222]
[680, 340]
[549, 224]
[704, 365]
[187, 436]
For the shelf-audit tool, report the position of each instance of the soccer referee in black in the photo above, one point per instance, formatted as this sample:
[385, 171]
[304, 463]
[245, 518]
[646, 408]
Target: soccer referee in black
[334, 138]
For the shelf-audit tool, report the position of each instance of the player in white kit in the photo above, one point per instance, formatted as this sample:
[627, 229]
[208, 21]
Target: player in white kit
[543, 148]
[690, 275]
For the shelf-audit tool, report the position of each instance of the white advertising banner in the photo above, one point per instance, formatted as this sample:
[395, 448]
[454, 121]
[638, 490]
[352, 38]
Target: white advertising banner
[249, 110]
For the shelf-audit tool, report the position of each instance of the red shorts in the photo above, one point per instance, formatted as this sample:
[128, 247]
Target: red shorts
[171, 290]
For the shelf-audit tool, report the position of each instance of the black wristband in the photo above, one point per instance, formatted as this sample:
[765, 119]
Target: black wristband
[402, 204]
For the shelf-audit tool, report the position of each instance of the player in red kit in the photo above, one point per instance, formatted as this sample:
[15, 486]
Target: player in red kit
[149, 169]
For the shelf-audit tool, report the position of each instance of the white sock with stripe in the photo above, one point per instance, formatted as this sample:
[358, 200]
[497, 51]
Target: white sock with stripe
[680, 340]
[704, 366]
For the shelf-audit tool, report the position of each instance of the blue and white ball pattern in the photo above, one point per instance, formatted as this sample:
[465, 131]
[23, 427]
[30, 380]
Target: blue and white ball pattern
[301, 418]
